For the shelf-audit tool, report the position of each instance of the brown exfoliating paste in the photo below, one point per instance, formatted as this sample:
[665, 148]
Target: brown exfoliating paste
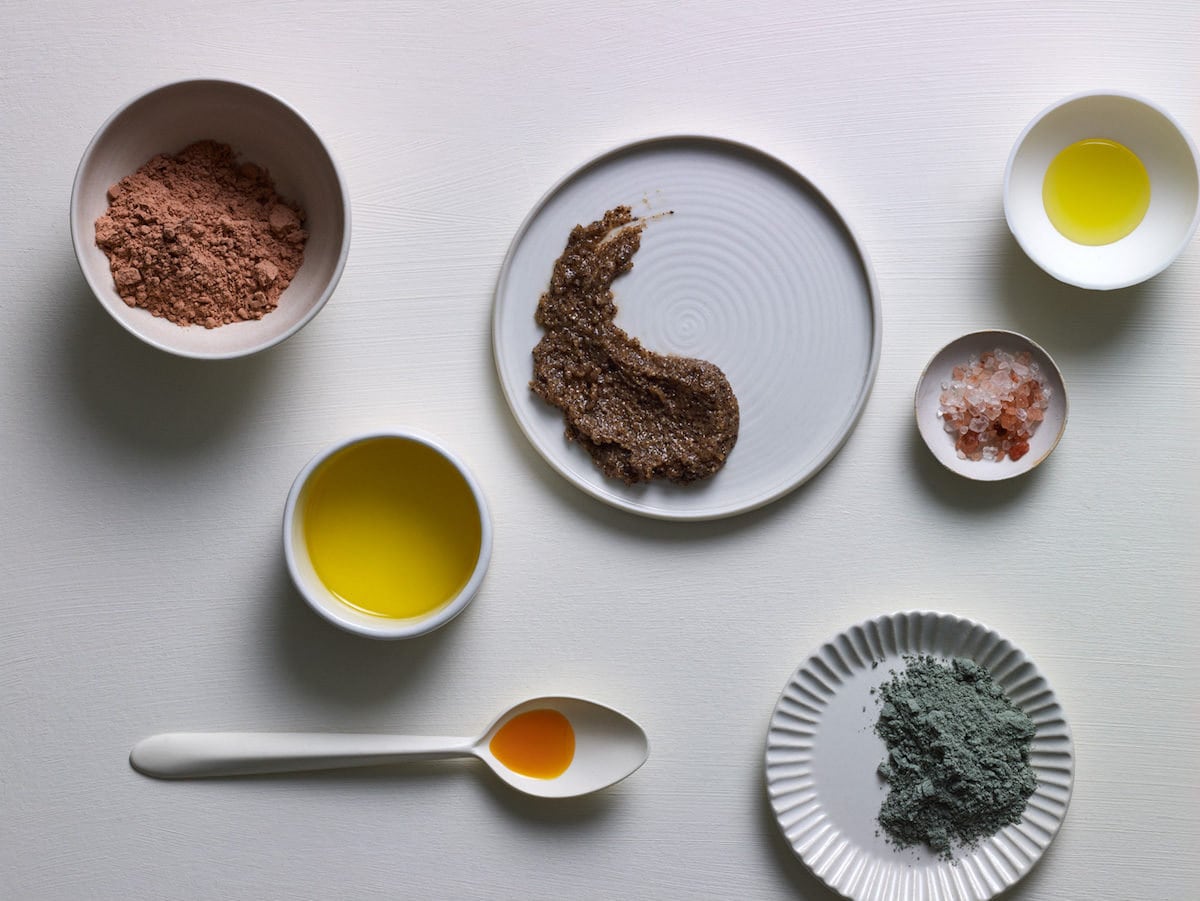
[641, 415]
[199, 239]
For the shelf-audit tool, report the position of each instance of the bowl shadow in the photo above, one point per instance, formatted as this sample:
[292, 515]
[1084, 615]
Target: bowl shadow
[350, 673]
[136, 398]
[962, 494]
[1061, 316]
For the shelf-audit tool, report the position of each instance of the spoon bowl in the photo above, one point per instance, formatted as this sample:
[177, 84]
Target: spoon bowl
[608, 747]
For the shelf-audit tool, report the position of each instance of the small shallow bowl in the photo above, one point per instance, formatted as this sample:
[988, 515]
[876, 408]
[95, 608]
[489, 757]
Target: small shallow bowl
[262, 129]
[1166, 151]
[931, 426]
[324, 601]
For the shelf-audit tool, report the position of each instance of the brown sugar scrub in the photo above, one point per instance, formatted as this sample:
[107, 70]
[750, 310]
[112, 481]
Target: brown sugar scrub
[200, 239]
[641, 415]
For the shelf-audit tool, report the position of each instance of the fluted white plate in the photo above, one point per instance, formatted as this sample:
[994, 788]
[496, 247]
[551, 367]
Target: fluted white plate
[823, 754]
[754, 271]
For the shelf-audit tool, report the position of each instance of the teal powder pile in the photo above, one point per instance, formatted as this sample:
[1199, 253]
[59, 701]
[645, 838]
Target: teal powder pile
[958, 755]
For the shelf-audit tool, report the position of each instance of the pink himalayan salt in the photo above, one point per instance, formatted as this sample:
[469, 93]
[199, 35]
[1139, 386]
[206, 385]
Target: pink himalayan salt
[992, 405]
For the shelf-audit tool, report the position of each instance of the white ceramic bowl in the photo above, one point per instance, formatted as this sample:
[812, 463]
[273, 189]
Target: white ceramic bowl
[1166, 151]
[263, 130]
[932, 427]
[325, 602]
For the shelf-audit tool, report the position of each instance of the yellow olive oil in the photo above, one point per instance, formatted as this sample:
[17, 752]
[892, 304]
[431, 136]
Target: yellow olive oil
[392, 528]
[1096, 191]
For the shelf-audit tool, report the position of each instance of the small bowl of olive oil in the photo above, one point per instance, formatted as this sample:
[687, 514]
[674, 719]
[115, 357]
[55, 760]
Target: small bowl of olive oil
[387, 534]
[1102, 190]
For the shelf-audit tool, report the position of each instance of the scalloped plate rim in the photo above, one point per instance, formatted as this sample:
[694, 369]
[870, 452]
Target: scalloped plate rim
[916, 894]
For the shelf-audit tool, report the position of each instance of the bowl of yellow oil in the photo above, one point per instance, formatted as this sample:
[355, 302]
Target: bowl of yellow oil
[387, 534]
[1102, 190]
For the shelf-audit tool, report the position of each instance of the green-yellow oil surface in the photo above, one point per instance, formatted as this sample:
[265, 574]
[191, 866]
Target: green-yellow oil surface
[392, 528]
[1096, 191]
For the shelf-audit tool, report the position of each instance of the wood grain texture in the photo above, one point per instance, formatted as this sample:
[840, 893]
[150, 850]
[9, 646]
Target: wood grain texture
[139, 546]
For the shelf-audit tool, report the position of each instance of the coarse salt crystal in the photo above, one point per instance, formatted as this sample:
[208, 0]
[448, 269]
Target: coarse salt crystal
[993, 404]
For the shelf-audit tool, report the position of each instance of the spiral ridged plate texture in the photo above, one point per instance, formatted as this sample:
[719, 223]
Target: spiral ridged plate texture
[743, 263]
[822, 755]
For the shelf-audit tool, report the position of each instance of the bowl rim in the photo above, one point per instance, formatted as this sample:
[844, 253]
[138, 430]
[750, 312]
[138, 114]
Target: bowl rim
[1057, 272]
[977, 333]
[343, 193]
[386, 628]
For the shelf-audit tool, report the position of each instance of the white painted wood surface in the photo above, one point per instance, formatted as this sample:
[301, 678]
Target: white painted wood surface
[144, 588]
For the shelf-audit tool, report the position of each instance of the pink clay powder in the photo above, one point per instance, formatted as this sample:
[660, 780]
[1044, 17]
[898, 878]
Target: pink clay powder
[200, 239]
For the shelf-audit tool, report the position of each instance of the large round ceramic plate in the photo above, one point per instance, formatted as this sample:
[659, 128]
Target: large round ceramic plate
[754, 271]
[822, 757]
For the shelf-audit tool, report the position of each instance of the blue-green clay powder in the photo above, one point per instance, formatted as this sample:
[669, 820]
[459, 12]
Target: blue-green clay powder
[958, 755]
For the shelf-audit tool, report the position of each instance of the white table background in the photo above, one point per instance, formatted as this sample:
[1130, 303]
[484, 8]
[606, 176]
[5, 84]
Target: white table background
[144, 588]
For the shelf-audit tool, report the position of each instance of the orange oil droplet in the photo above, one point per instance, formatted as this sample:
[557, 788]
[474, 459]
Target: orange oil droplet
[537, 743]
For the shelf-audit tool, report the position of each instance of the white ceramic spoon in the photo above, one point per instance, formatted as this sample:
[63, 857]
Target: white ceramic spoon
[608, 747]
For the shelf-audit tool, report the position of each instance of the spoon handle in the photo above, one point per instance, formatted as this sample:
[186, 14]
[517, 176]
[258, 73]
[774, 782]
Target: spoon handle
[183, 755]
